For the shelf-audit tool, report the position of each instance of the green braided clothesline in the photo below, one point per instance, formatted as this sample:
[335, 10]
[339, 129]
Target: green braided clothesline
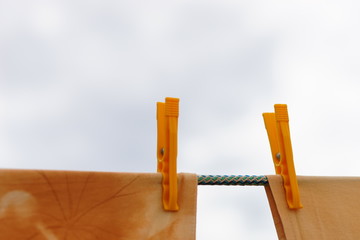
[242, 180]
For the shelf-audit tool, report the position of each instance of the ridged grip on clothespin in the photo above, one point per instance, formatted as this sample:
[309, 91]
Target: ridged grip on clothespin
[167, 122]
[172, 107]
[277, 126]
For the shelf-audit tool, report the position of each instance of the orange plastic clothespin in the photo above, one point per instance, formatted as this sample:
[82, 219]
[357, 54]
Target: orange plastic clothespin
[277, 127]
[167, 129]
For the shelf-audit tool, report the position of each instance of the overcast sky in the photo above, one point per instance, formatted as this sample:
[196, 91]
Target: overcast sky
[79, 82]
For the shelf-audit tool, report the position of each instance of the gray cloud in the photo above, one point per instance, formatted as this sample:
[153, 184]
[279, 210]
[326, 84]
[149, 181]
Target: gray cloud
[79, 82]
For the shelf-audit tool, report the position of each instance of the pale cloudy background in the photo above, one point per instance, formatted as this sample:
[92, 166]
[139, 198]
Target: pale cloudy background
[79, 81]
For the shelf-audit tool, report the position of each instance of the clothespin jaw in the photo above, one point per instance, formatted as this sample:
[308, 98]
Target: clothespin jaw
[167, 131]
[160, 117]
[277, 127]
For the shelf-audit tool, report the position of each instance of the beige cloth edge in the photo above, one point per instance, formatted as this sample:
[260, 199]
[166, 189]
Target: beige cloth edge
[275, 214]
[331, 208]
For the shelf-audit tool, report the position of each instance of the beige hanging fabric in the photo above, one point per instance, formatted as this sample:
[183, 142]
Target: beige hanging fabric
[331, 208]
[57, 205]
